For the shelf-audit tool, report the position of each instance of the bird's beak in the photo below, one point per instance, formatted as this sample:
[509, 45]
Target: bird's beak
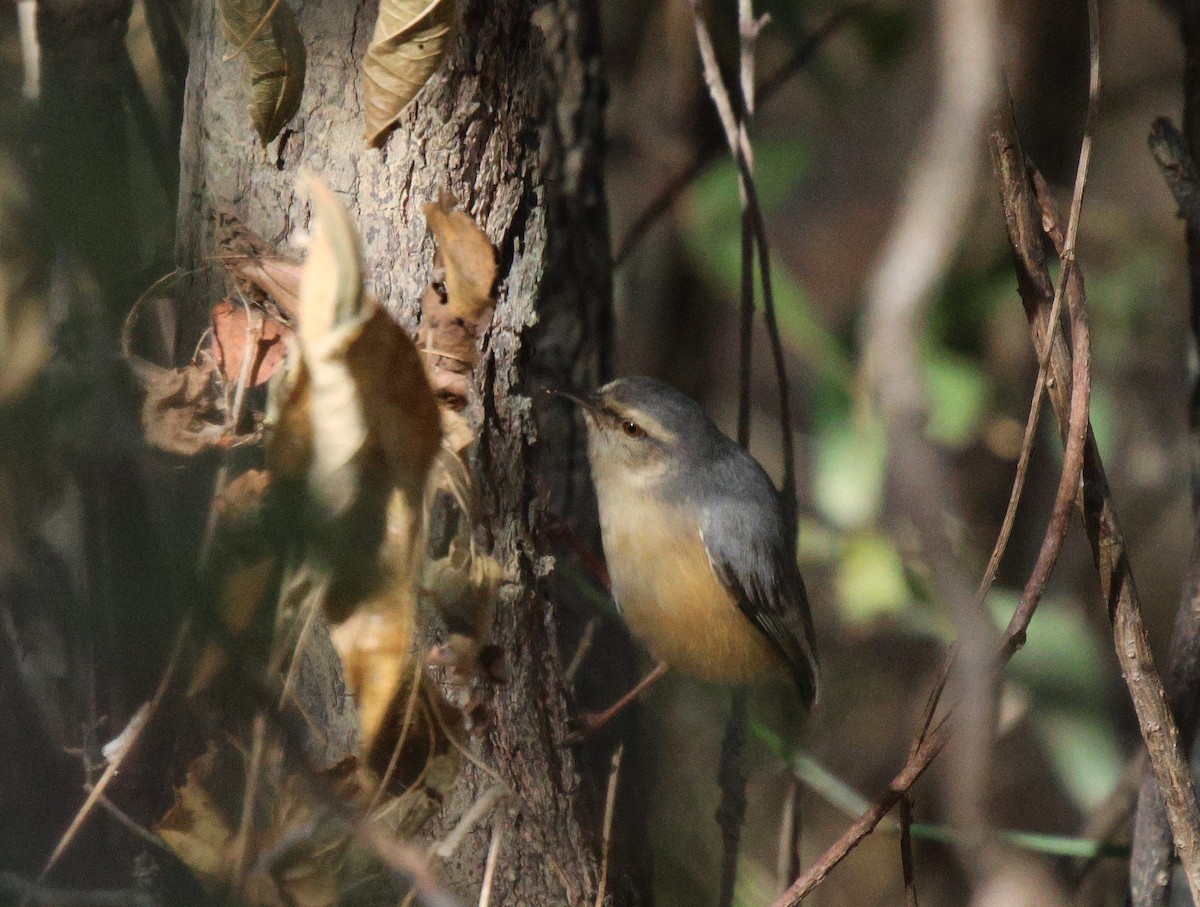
[588, 403]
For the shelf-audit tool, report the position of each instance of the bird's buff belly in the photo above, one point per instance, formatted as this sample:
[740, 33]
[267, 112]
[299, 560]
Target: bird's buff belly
[672, 601]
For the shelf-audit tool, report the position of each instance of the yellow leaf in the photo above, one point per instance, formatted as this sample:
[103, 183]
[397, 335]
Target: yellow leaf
[410, 39]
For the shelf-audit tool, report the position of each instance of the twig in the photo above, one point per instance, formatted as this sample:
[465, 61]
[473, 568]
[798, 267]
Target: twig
[1149, 871]
[787, 855]
[1024, 216]
[1025, 229]
[906, 853]
[845, 799]
[724, 107]
[489, 868]
[31, 49]
[445, 848]
[142, 718]
[243, 843]
[669, 194]
[731, 779]
[610, 808]
[405, 727]
[581, 650]
[134, 827]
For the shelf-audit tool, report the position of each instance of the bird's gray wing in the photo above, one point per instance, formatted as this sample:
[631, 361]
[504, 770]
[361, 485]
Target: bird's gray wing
[752, 560]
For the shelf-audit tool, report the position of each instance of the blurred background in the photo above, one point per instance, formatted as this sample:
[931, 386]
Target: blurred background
[832, 149]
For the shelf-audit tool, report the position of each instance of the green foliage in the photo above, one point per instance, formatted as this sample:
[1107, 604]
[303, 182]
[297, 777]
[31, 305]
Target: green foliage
[712, 229]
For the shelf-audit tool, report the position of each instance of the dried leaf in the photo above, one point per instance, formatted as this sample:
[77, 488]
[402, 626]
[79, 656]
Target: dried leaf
[195, 827]
[183, 413]
[265, 32]
[456, 309]
[462, 586]
[410, 39]
[468, 257]
[370, 426]
[260, 271]
[293, 854]
[376, 648]
[237, 327]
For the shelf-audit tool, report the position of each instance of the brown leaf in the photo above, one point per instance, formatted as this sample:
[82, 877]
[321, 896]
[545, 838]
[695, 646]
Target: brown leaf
[237, 327]
[196, 828]
[376, 649]
[468, 257]
[261, 272]
[370, 426]
[265, 32]
[410, 39]
[456, 311]
[462, 586]
[292, 853]
[183, 412]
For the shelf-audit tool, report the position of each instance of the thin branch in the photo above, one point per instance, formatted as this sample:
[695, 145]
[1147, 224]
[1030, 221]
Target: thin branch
[610, 808]
[31, 49]
[445, 848]
[906, 854]
[1150, 867]
[787, 854]
[132, 735]
[731, 779]
[489, 868]
[1070, 378]
[675, 186]
[1024, 214]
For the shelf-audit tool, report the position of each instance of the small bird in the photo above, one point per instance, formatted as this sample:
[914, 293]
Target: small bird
[699, 553]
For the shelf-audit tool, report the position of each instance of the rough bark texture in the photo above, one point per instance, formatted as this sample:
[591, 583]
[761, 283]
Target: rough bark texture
[511, 124]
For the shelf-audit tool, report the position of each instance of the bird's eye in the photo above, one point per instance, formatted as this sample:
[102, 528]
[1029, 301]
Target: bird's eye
[632, 429]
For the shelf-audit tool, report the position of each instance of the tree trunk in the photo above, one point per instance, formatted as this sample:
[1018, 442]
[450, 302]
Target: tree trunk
[511, 125]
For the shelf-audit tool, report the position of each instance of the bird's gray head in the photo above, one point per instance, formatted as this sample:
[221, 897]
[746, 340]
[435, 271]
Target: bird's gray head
[643, 430]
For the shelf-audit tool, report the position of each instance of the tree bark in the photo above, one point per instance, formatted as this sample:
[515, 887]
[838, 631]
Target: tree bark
[511, 124]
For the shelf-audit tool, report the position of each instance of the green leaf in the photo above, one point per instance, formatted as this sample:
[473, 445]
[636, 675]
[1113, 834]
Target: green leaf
[958, 396]
[850, 462]
[711, 225]
[870, 579]
[1084, 753]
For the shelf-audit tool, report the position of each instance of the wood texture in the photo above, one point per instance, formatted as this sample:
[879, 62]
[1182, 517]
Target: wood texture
[511, 124]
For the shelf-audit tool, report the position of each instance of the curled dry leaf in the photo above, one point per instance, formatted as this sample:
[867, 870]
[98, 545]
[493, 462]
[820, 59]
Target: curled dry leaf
[293, 853]
[456, 308]
[237, 329]
[261, 273]
[357, 430]
[266, 34]
[183, 412]
[410, 39]
[462, 586]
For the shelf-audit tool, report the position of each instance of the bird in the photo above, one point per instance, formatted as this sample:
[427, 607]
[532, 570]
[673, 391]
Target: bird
[697, 541]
